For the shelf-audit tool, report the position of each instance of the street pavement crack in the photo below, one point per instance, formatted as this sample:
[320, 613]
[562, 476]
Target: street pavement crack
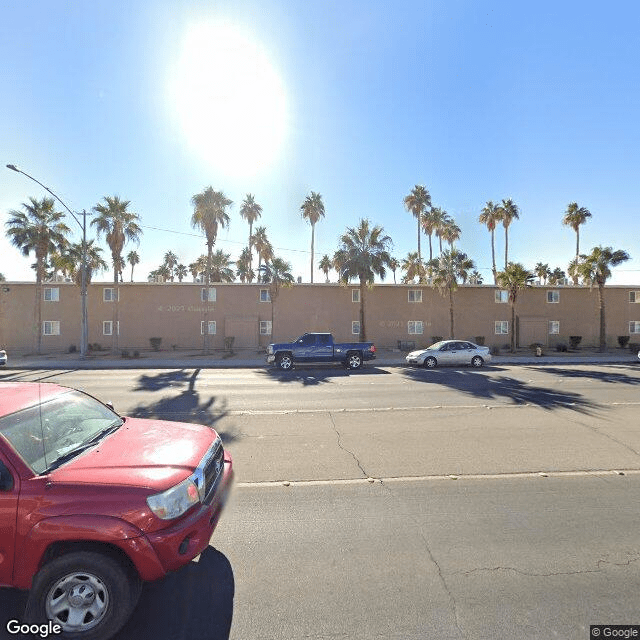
[351, 453]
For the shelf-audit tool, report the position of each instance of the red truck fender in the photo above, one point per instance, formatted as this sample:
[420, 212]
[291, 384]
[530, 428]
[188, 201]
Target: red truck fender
[93, 529]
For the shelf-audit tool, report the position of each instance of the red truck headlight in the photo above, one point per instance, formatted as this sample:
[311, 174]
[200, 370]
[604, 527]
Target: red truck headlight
[172, 503]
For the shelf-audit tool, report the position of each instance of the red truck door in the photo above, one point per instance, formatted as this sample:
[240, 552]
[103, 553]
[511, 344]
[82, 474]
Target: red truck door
[9, 491]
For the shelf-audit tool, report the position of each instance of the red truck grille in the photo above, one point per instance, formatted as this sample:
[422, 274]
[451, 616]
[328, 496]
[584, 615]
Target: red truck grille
[213, 468]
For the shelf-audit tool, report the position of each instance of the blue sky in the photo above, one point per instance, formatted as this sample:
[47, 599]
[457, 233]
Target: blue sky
[360, 101]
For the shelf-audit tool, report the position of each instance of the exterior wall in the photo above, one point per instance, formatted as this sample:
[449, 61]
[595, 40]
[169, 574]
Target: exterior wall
[174, 312]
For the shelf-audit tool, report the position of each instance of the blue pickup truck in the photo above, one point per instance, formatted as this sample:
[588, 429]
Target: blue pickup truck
[320, 347]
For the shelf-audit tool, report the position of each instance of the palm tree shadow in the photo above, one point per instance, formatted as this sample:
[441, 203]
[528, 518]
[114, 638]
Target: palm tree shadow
[194, 602]
[167, 379]
[479, 385]
[610, 375]
[315, 375]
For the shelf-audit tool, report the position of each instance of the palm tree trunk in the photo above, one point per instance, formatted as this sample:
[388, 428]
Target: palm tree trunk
[363, 332]
[419, 254]
[250, 253]
[506, 246]
[577, 242]
[603, 324]
[313, 228]
[493, 256]
[116, 313]
[513, 327]
[430, 249]
[453, 335]
[206, 302]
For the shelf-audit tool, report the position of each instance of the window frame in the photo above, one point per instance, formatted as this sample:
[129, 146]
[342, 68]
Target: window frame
[113, 295]
[268, 327]
[52, 298]
[502, 324]
[210, 324]
[553, 293]
[634, 327]
[353, 326]
[209, 299]
[53, 324]
[554, 324]
[416, 324]
[499, 294]
[417, 295]
[267, 298]
[636, 297]
[355, 295]
[110, 323]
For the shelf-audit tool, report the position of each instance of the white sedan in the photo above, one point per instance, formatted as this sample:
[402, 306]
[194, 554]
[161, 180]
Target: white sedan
[450, 352]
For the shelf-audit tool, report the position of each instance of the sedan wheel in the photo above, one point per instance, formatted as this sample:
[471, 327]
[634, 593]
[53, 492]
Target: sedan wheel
[477, 361]
[430, 362]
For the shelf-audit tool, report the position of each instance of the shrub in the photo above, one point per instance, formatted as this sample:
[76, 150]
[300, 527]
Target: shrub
[155, 343]
[96, 346]
[436, 339]
[574, 341]
[495, 350]
[634, 347]
[136, 354]
[125, 353]
[479, 340]
[623, 340]
[72, 348]
[561, 346]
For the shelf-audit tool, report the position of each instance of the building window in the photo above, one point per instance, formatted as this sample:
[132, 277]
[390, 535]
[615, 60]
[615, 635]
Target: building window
[502, 295]
[355, 295]
[265, 327]
[211, 297]
[634, 297]
[415, 327]
[264, 295]
[51, 328]
[212, 327]
[52, 294]
[109, 294]
[553, 296]
[107, 327]
[502, 327]
[415, 295]
[355, 327]
[634, 326]
[554, 327]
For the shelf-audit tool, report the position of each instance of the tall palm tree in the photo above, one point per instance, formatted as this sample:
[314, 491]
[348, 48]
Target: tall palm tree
[556, 275]
[277, 274]
[194, 270]
[363, 254]
[394, 265]
[312, 210]
[180, 271]
[170, 260]
[439, 220]
[250, 211]
[514, 278]
[575, 216]
[221, 270]
[417, 202]
[447, 270]
[430, 221]
[326, 265]
[595, 268]
[542, 272]
[450, 232]
[209, 214]
[413, 268]
[508, 213]
[243, 266]
[490, 216]
[95, 261]
[475, 277]
[262, 245]
[119, 225]
[133, 259]
[40, 229]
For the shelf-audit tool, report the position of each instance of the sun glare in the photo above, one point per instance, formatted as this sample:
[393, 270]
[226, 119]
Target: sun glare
[228, 99]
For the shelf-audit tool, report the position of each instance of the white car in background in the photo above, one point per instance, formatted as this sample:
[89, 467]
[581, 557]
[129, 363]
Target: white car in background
[3, 357]
[450, 352]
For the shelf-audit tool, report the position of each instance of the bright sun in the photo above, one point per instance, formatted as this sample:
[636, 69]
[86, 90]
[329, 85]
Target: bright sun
[228, 99]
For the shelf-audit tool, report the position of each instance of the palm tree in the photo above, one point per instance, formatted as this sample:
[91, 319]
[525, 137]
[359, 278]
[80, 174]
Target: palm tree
[514, 278]
[243, 266]
[450, 232]
[595, 268]
[394, 265]
[556, 275]
[95, 261]
[413, 268]
[446, 270]
[542, 271]
[2, 278]
[418, 201]
[194, 270]
[575, 216]
[439, 220]
[490, 216]
[180, 271]
[326, 265]
[277, 274]
[430, 221]
[250, 211]
[221, 270]
[475, 277]
[262, 245]
[312, 210]
[133, 259]
[39, 229]
[363, 254]
[209, 214]
[170, 261]
[508, 213]
[120, 226]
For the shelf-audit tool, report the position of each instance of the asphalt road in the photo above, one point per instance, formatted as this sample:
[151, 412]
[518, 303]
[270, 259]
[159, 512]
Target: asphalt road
[500, 503]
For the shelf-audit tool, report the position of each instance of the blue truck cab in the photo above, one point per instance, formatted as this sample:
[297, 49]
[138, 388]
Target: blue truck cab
[318, 348]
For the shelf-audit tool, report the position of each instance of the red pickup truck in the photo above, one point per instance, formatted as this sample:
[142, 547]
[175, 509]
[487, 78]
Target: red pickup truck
[92, 503]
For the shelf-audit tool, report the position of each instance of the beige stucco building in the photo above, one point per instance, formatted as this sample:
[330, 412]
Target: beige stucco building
[176, 313]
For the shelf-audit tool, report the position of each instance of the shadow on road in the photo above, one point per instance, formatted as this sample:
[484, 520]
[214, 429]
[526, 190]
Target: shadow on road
[611, 374]
[310, 375]
[480, 385]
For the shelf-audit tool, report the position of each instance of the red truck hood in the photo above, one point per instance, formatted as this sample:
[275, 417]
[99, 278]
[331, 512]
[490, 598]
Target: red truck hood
[141, 453]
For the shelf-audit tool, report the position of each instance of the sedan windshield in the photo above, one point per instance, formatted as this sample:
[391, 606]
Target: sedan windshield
[53, 430]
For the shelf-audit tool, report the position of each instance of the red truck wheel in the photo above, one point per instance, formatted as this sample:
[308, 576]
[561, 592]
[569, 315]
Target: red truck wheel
[90, 595]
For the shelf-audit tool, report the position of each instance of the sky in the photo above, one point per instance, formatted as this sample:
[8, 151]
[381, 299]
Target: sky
[155, 100]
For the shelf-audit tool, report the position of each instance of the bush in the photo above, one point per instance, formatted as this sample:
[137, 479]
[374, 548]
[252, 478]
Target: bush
[479, 340]
[155, 343]
[623, 340]
[574, 341]
[72, 348]
[561, 346]
[634, 347]
[136, 354]
[96, 346]
[125, 353]
[435, 339]
[495, 350]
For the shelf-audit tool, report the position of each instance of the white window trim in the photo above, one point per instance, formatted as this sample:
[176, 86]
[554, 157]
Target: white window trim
[417, 295]
[109, 324]
[268, 297]
[499, 294]
[212, 294]
[355, 323]
[54, 294]
[634, 297]
[54, 327]
[553, 294]
[265, 327]
[212, 325]
[634, 327]
[415, 325]
[355, 295]
[498, 325]
[554, 327]
[113, 295]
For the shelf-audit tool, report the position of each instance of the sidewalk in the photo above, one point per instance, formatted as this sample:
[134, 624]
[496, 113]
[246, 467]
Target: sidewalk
[250, 359]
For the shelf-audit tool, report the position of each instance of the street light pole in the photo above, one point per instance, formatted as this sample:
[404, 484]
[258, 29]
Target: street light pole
[84, 333]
